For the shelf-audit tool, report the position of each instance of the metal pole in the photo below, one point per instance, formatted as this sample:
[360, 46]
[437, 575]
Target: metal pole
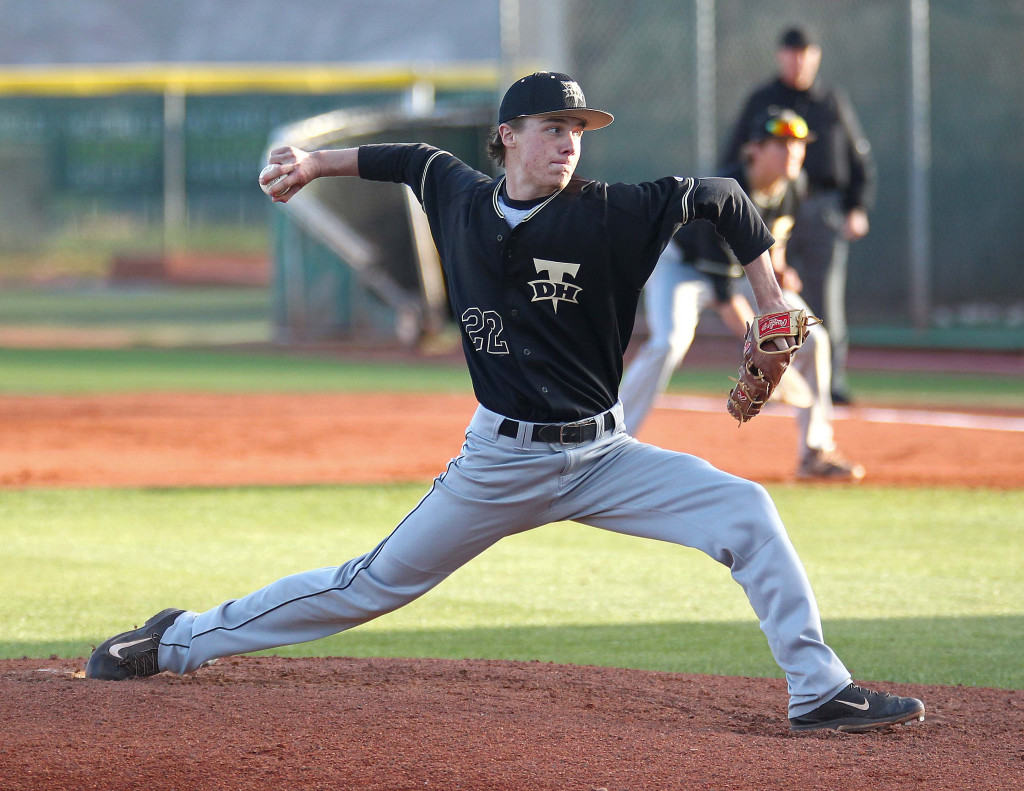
[705, 76]
[920, 166]
[508, 22]
[549, 42]
[174, 164]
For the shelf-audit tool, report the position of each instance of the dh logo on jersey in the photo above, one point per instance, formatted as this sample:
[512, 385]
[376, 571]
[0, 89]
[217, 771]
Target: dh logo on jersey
[555, 288]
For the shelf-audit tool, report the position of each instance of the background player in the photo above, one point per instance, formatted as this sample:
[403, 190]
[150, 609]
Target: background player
[544, 273]
[840, 182]
[698, 270]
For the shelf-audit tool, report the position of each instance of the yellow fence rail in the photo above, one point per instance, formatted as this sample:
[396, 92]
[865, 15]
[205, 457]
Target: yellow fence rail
[238, 78]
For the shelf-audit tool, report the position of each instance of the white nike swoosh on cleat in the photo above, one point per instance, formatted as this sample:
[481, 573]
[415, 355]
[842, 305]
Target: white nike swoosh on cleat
[116, 648]
[861, 706]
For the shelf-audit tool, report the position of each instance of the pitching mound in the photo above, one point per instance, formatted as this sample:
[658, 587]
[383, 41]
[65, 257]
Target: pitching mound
[255, 722]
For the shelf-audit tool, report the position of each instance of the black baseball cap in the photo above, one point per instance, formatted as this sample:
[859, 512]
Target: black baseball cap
[797, 38]
[780, 124]
[548, 93]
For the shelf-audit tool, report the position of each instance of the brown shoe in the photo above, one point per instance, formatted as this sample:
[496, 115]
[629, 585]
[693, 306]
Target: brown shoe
[828, 465]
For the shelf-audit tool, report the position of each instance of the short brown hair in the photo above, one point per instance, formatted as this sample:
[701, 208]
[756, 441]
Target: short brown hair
[496, 148]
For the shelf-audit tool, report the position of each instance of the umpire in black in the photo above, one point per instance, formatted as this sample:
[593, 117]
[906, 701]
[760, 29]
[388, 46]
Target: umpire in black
[840, 179]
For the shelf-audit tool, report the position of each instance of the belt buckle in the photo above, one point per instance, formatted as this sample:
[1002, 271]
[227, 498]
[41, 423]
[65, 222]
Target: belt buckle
[575, 429]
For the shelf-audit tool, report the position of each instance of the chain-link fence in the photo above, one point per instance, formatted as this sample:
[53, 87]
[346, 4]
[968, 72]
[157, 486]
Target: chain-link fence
[943, 119]
[676, 74]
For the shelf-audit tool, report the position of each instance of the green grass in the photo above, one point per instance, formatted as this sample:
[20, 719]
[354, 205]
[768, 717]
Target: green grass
[110, 306]
[78, 371]
[906, 388]
[84, 371]
[917, 586]
[143, 315]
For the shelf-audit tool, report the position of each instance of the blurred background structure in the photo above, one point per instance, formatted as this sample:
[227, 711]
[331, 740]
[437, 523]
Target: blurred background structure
[131, 134]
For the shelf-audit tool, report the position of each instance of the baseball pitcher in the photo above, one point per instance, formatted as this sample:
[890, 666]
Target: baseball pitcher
[544, 272]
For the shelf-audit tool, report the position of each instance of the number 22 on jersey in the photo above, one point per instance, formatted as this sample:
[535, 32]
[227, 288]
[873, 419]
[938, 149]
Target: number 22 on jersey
[484, 328]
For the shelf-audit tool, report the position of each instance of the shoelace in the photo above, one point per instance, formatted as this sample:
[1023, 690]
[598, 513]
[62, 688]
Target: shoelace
[142, 663]
[868, 694]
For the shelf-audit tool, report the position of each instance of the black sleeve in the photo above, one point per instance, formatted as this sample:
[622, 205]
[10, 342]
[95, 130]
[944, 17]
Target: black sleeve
[699, 241]
[861, 191]
[721, 202]
[401, 163]
[433, 175]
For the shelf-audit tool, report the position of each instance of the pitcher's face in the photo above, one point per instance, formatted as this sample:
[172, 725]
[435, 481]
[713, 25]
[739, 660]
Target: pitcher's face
[543, 152]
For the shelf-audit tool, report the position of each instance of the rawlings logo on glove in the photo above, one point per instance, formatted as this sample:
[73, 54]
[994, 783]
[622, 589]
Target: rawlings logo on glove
[763, 362]
[775, 324]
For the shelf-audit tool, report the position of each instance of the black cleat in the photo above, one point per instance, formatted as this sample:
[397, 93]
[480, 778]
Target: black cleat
[856, 710]
[131, 654]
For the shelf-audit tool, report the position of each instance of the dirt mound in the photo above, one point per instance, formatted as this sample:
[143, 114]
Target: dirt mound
[273, 723]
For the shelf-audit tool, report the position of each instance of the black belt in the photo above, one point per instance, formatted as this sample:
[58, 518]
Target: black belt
[563, 433]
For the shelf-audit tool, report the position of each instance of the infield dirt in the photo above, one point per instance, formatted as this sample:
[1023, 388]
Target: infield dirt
[190, 439]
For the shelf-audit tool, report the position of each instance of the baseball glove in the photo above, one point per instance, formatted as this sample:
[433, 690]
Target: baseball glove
[763, 364]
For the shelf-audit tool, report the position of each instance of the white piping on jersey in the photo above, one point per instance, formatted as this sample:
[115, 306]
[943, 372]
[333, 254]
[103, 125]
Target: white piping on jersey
[423, 178]
[537, 208]
[689, 191]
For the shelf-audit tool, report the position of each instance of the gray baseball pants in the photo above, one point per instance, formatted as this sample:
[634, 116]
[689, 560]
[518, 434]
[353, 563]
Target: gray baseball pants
[499, 486]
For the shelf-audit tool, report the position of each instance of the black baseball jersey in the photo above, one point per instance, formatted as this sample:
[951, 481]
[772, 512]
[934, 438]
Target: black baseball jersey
[707, 251]
[546, 309]
[840, 158]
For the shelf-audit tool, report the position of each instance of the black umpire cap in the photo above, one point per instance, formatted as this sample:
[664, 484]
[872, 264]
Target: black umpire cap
[549, 93]
[797, 38]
